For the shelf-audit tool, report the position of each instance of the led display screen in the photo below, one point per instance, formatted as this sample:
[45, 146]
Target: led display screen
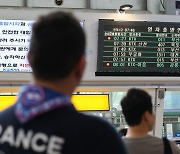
[138, 48]
[14, 45]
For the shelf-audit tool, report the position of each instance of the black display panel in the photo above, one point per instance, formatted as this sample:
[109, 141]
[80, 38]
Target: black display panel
[138, 48]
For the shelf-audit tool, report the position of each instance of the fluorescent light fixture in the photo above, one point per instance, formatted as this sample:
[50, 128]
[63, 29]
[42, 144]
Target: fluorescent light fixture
[124, 7]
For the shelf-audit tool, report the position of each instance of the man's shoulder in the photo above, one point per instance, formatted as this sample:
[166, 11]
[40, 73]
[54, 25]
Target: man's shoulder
[78, 120]
[94, 121]
[102, 133]
[148, 138]
[7, 112]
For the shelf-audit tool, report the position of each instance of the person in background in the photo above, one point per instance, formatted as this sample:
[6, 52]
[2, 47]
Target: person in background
[43, 120]
[138, 111]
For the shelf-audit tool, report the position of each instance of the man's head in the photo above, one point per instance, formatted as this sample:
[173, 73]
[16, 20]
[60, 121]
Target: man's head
[137, 107]
[57, 45]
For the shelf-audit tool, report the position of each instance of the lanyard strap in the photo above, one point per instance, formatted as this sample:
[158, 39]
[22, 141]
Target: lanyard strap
[34, 100]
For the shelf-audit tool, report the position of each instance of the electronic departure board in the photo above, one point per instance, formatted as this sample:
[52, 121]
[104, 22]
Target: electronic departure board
[14, 45]
[136, 48]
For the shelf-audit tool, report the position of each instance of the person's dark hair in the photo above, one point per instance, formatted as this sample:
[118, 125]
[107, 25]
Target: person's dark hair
[123, 131]
[134, 104]
[57, 43]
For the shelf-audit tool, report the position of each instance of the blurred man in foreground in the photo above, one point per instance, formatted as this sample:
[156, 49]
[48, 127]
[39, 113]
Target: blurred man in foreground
[43, 120]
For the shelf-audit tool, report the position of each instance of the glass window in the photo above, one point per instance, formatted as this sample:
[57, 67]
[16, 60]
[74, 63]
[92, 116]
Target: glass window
[172, 100]
[171, 119]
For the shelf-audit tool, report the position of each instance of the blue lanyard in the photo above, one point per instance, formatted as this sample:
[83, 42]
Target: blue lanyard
[34, 100]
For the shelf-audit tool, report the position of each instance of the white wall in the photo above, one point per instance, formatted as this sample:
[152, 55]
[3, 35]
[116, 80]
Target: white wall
[50, 3]
[138, 5]
[11, 2]
[114, 4]
[94, 4]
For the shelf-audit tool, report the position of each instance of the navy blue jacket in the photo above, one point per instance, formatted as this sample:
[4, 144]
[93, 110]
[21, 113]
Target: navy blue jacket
[59, 131]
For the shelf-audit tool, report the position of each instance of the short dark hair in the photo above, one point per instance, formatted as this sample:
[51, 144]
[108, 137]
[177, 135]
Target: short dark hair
[57, 43]
[123, 131]
[134, 104]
